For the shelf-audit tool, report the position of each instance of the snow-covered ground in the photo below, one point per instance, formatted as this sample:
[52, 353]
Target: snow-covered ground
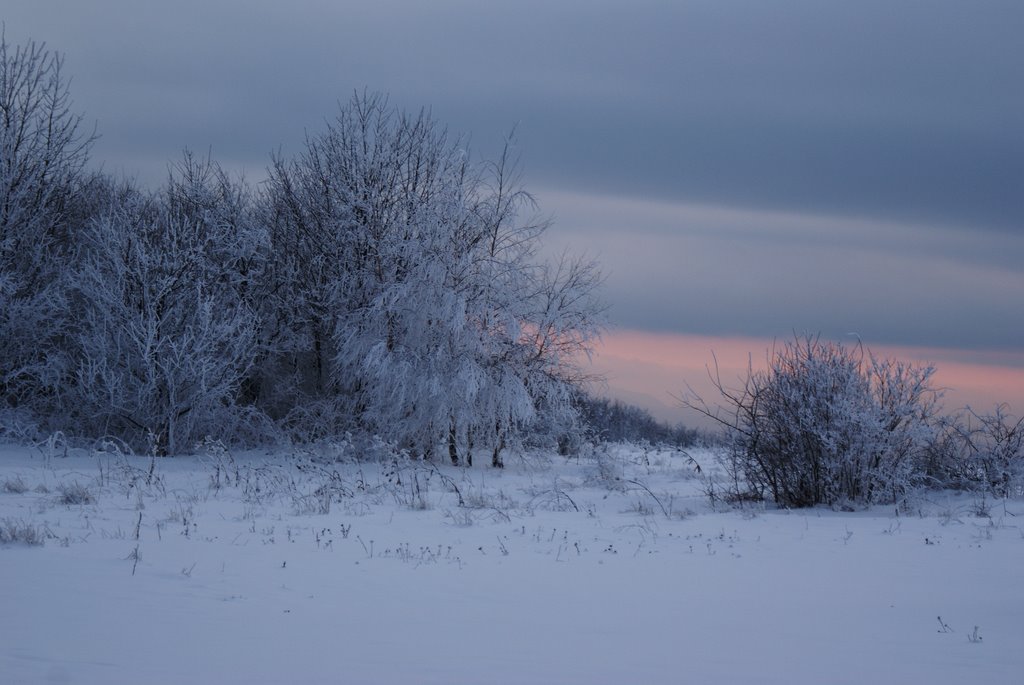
[295, 568]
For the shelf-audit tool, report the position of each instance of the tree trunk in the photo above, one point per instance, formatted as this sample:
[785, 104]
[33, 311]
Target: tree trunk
[499, 445]
[453, 448]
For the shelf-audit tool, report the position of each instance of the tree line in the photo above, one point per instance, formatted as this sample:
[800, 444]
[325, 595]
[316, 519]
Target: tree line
[380, 280]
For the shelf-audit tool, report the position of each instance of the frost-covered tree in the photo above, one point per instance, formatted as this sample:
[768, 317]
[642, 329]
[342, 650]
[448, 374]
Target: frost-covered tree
[445, 326]
[43, 151]
[476, 337]
[166, 335]
[337, 216]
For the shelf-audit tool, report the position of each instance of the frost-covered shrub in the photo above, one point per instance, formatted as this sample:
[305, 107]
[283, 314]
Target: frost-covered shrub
[983, 452]
[18, 532]
[18, 425]
[827, 424]
[14, 485]
[74, 493]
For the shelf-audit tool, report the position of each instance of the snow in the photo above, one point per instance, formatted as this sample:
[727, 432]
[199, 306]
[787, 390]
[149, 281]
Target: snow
[608, 569]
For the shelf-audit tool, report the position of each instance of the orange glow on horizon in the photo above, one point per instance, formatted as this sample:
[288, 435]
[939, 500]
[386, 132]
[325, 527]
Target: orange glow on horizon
[654, 369]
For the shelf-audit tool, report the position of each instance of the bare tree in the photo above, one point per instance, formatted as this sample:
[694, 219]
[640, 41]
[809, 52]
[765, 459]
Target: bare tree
[43, 151]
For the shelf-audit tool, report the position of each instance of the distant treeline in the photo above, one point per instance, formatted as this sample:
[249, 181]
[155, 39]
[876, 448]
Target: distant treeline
[614, 421]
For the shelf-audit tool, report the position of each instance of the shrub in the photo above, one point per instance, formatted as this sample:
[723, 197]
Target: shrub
[75, 494]
[18, 532]
[826, 424]
[982, 452]
[14, 485]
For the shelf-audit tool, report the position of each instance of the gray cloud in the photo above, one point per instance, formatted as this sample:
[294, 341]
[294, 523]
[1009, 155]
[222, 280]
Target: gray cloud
[911, 110]
[756, 273]
[886, 139]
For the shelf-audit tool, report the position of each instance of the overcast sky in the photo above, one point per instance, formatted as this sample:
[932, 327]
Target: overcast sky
[741, 168]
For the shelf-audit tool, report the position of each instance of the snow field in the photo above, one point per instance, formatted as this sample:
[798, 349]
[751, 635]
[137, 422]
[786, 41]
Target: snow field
[261, 568]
